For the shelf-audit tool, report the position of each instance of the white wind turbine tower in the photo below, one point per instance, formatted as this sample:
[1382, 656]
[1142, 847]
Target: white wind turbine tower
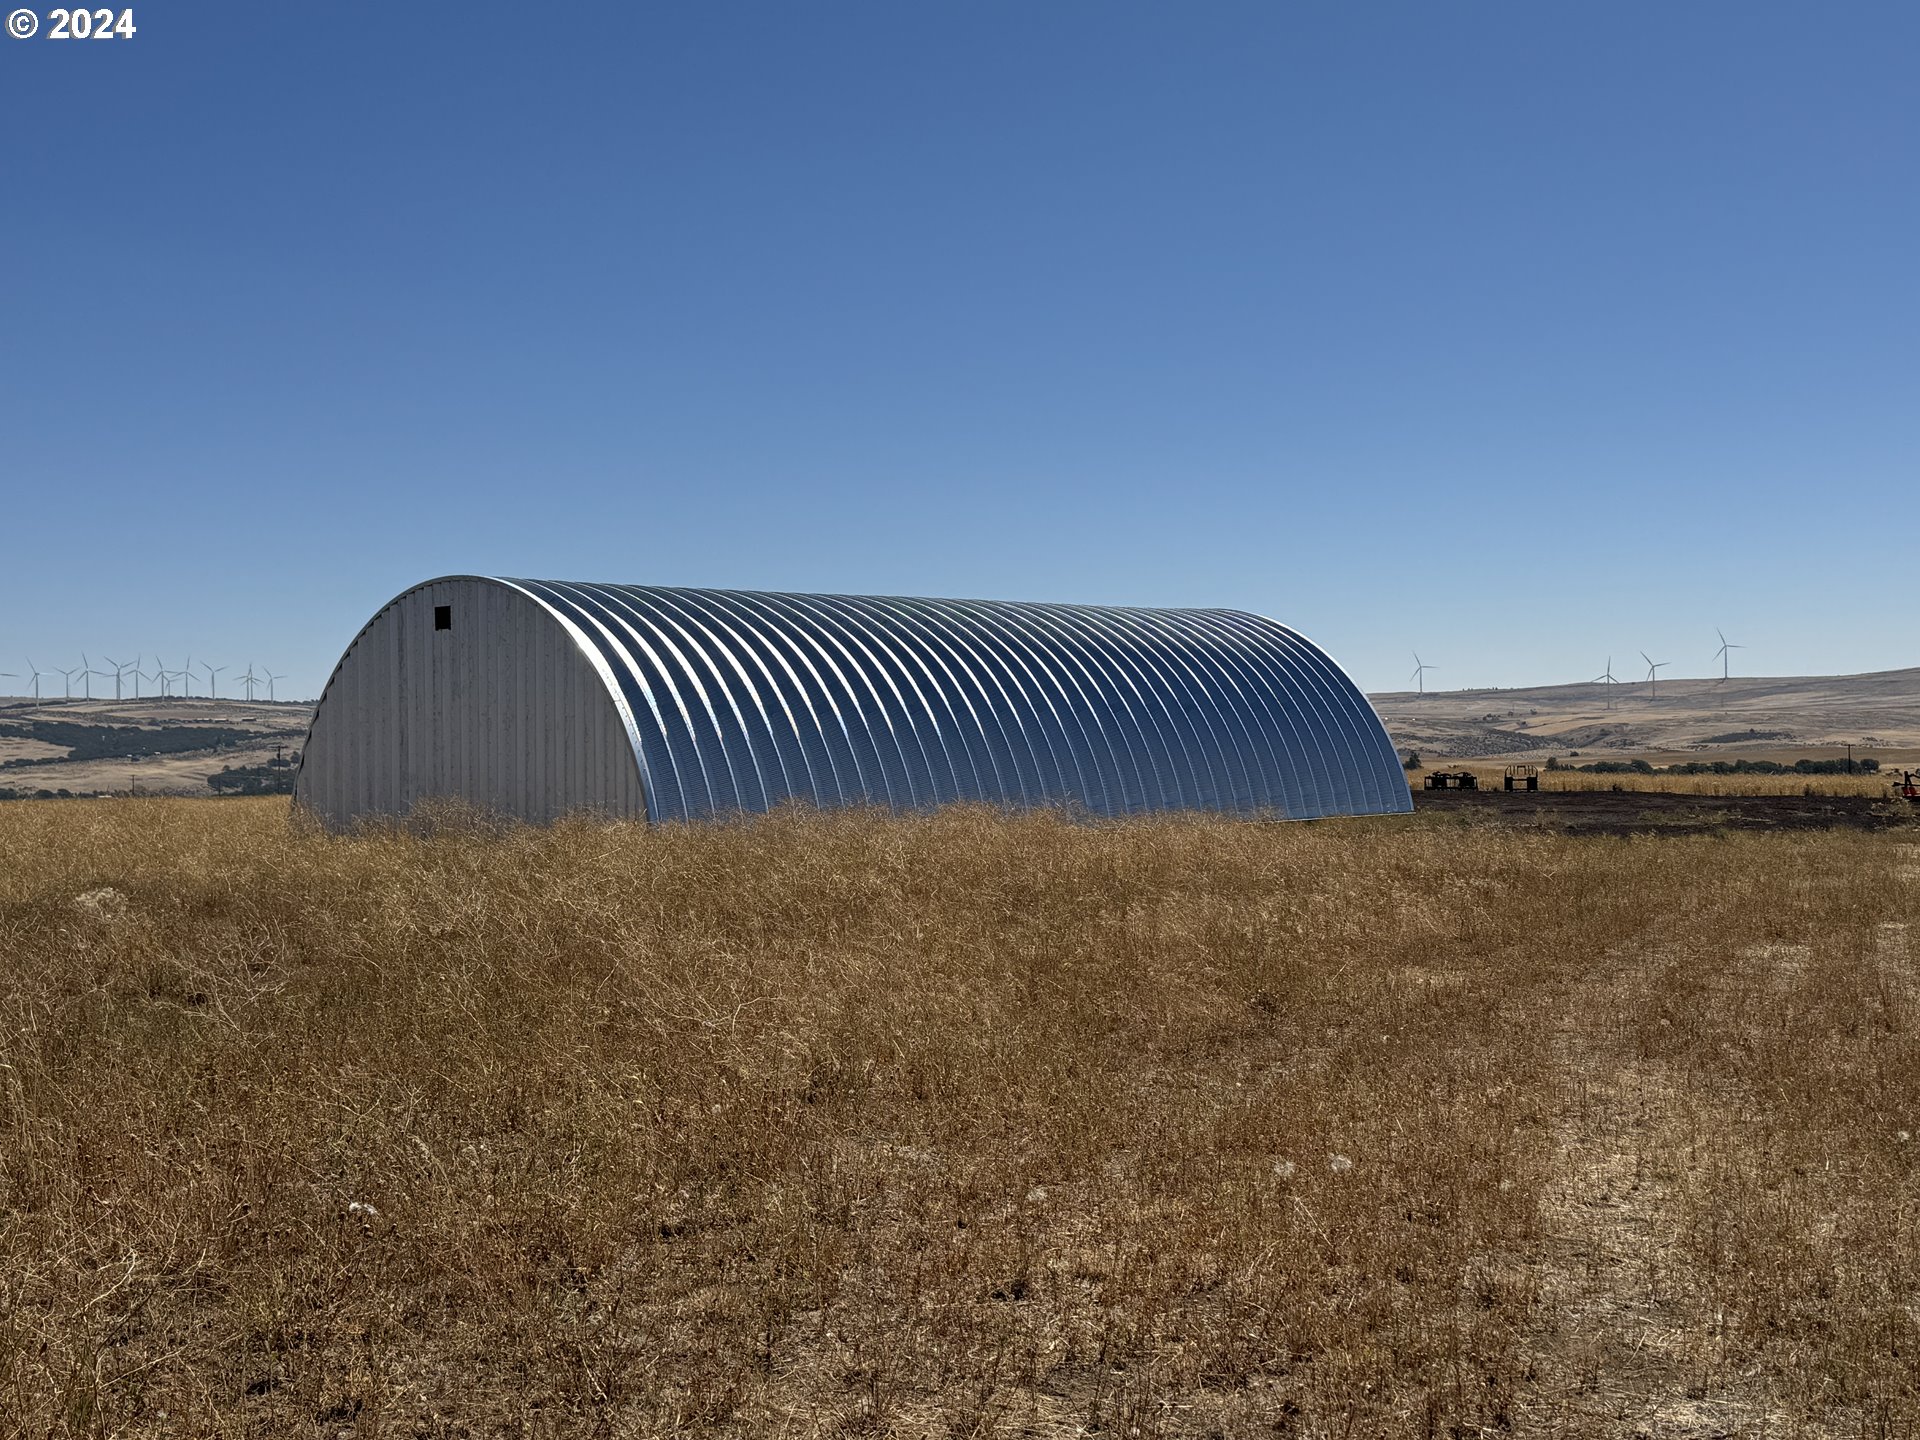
[119, 673]
[270, 680]
[250, 680]
[1654, 667]
[36, 672]
[162, 676]
[1605, 677]
[1419, 676]
[185, 676]
[1721, 654]
[67, 675]
[213, 674]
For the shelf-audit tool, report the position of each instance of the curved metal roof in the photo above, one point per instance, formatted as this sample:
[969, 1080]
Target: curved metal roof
[738, 700]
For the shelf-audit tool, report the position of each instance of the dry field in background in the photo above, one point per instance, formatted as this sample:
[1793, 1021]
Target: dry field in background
[963, 1125]
[1772, 717]
[1581, 782]
[1575, 781]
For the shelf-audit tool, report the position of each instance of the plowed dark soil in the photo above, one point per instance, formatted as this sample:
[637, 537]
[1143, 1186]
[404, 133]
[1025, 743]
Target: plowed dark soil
[1606, 812]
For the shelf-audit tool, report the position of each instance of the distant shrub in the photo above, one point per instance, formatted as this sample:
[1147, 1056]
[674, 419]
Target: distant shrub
[252, 780]
[107, 742]
[1866, 765]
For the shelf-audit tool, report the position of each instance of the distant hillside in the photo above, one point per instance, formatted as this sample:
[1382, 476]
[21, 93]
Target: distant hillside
[160, 747]
[1742, 716]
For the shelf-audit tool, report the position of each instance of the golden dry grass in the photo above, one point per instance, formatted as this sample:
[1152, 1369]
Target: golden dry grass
[961, 1125]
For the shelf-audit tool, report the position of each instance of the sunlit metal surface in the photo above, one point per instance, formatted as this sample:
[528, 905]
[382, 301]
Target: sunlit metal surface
[538, 699]
[739, 700]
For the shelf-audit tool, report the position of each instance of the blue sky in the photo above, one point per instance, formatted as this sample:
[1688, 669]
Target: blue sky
[1519, 334]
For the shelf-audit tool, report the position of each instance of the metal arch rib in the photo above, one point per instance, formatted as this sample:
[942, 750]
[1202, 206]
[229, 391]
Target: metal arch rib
[875, 721]
[891, 629]
[1362, 737]
[812, 688]
[724, 640]
[615, 600]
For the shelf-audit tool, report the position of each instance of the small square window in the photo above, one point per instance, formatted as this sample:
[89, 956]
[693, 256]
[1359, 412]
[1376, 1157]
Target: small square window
[443, 617]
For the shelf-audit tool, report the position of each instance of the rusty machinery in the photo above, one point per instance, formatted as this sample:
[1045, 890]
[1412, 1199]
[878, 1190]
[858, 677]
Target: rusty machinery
[1523, 777]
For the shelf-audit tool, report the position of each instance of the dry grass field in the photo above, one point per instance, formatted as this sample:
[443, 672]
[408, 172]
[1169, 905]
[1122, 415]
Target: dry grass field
[953, 1126]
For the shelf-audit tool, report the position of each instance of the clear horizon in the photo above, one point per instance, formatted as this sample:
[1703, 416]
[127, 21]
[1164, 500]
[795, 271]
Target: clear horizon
[1628, 687]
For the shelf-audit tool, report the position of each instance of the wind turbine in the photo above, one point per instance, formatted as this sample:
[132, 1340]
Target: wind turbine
[250, 680]
[1420, 668]
[213, 673]
[119, 673]
[87, 672]
[1721, 654]
[37, 673]
[1605, 677]
[185, 676]
[68, 675]
[270, 680]
[163, 676]
[1654, 667]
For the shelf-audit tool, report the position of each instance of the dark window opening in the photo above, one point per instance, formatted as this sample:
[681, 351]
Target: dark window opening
[443, 617]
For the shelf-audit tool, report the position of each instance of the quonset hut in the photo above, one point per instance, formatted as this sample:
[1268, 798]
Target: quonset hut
[537, 698]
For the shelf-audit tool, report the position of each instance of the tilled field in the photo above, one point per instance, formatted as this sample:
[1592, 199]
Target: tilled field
[1605, 812]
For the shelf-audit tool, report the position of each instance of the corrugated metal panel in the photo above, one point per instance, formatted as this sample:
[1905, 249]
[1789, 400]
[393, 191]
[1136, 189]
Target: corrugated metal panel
[551, 696]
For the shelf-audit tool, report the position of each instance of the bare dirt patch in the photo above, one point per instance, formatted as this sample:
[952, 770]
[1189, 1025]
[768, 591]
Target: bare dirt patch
[1626, 1343]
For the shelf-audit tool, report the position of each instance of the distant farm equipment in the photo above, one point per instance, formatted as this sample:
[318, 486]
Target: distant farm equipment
[1453, 780]
[1907, 787]
[1523, 777]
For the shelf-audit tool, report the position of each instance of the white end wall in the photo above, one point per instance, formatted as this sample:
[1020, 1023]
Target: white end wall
[503, 709]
